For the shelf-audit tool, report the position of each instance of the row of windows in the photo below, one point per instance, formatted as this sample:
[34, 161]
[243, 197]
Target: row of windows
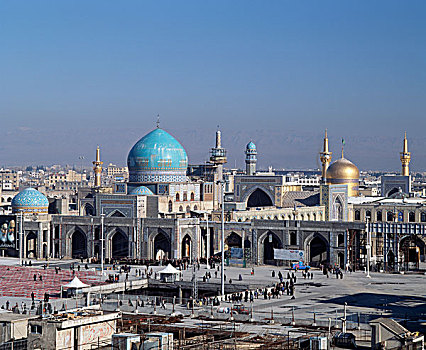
[390, 216]
[307, 217]
[185, 197]
[187, 209]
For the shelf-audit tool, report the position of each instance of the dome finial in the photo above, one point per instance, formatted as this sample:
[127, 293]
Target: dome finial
[158, 121]
[343, 146]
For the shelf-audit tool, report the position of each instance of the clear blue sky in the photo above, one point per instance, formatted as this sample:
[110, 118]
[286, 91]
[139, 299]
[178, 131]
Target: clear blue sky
[74, 74]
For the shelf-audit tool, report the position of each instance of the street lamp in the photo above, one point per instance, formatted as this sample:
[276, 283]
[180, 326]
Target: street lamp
[21, 245]
[102, 242]
[222, 241]
[208, 243]
[368, 246]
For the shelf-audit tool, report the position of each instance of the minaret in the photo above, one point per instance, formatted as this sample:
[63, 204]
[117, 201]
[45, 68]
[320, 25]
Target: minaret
[405, 157]
[98, 168]
[325, 157]
[251, 158]
[218, 156]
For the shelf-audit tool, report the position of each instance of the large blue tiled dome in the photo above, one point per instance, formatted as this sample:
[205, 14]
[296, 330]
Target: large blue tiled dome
[157, 157]
[30, 201]
[142, 191]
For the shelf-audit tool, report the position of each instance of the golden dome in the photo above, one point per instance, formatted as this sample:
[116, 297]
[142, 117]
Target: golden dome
[342, 169]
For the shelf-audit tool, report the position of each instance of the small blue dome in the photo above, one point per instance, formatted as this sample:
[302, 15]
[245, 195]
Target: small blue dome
[251, 145]
[157, 157]
[30, 201]
[142, 191]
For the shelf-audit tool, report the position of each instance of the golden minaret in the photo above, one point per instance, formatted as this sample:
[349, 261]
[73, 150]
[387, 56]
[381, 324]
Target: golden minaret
[405, 157]
[98, 168]
[325, 156]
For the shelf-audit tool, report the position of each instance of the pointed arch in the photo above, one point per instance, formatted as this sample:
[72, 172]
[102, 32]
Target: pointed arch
[187, 247]
[338, 209]
[268, 242]
[318, 250]
[78, 244]
[117, 214]
[161, 246]
[259, 198]
[119, 245]
[31, 245]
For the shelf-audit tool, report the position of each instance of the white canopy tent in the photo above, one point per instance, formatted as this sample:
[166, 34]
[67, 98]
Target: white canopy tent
[170, 274]
[73, 287]
[76, 284]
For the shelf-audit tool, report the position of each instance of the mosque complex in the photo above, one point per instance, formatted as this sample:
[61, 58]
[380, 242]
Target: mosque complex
[170, 210]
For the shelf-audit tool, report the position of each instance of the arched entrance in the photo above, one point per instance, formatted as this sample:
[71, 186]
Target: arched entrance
[412, 248]
[162, 247]
[270, 242]
[31, 245]
[186, 247]
[338, 209]
[259, 198]
[318, 251]
[233, 241]
[119, 245]
[89, 210]
[78, 245]
[392, 191]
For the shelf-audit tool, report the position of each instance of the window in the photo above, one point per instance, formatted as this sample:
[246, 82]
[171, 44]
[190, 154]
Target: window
[423, 217]
[293, 238]
[340, 240]
[177, 197]
[170, 206]
[180, 208]
[411, 217]
[185, 197]
[192, 196]
[357, 215]
[368, 214]
[389, 216]
[188, 209]
[379, 216]
[35, 329]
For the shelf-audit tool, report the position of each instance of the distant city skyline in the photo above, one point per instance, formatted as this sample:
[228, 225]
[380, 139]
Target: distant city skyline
[276, 149]
[80, 74]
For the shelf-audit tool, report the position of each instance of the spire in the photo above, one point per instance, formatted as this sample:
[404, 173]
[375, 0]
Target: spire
[405, 147]
[98, 154]
[218, 138]
[325, 148]
[158, 121]
[405, 157]
[325, 156]
[97, 167]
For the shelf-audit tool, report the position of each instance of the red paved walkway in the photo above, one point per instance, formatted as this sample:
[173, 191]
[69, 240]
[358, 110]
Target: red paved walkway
[19, 281]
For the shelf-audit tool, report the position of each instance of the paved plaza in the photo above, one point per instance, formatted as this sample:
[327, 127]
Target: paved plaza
[396, 295]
